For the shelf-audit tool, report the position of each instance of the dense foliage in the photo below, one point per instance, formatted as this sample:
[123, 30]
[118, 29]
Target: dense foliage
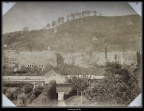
[120, 86]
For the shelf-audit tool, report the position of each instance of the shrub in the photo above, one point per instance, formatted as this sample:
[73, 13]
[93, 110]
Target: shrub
[28, 87]
[38, 90]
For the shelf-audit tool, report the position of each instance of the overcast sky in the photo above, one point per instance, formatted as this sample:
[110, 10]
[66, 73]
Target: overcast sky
[36, 15]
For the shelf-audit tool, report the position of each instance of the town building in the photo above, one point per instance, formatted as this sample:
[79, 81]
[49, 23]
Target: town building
[100, 58]
[37, 58]
[130, 57]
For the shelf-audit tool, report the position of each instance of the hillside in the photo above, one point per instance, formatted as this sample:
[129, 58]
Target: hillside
[119, 33]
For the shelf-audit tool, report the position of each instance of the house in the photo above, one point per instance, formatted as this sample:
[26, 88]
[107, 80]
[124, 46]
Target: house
[116, 56]
[67, 58]
[130, 57]
[37, 58]
[97, 58]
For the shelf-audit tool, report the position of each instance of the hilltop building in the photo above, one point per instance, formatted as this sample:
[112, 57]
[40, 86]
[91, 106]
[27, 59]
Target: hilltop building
[25, 29]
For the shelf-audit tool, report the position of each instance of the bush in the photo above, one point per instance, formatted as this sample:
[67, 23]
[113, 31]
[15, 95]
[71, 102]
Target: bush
[4, 90]
[38, 90]
[10, 92]
[28, 87]
[48, 93]
[73, 92]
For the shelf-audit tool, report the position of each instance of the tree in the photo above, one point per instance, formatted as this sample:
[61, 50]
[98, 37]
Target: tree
[60, 59]
[106, 53]
[72, 16]
[88, 13]
[53, 23]
[119, 85]
[79, 83]
[83, 13]
[138, 69]
[48, 25]
[95, 13]
[23, 68]
[35, 69]
[68, 17]
[79, 14]
[60, 20]
[100, 14]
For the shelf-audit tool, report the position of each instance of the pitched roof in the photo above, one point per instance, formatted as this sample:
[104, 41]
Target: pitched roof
[45, 54]
[50, 73]
[33, 62]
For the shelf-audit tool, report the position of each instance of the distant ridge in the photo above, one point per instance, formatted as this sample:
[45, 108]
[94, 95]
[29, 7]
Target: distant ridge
[36, 15]
[118, 33]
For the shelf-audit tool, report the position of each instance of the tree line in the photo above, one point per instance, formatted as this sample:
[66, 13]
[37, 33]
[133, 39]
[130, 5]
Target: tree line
[72, 16]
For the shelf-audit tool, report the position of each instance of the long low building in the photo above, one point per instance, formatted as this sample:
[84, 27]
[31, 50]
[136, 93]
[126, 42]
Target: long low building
[41, 80]
[37, 80]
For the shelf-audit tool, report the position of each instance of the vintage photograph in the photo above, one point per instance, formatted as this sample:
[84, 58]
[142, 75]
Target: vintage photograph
[71, 54]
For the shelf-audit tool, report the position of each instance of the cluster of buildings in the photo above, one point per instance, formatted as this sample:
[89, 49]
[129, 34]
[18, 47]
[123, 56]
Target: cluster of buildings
[81, 59]
[49, 76]
[30, 58]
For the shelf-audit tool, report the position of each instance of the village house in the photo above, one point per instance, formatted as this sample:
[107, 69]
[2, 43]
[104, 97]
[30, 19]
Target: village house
[37, 58]
[100, 58]
[78, 59]
[115, 57]
[97, 58]
[130, 57]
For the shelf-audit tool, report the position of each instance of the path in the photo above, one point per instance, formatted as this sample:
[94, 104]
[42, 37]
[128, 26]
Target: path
[61, 103]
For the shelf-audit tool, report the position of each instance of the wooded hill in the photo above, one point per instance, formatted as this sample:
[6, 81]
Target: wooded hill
[120, 33]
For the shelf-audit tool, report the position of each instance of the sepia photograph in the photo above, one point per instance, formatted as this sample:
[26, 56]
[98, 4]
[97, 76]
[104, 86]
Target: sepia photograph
[72, 54]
